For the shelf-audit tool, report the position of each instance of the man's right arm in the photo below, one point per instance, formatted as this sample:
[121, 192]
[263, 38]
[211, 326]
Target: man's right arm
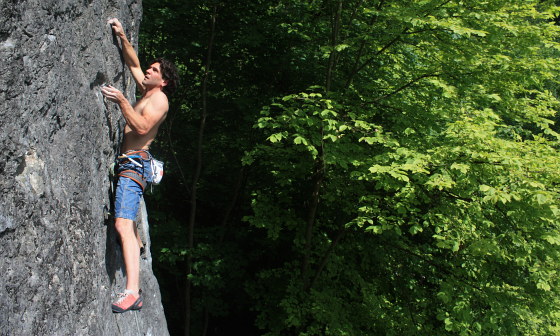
[130, 57]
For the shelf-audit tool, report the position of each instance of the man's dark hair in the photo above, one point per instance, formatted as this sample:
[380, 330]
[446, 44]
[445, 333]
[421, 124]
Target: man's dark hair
[169, 73]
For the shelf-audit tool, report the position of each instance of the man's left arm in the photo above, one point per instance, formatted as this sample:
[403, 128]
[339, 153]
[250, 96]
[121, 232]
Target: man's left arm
[129, 54]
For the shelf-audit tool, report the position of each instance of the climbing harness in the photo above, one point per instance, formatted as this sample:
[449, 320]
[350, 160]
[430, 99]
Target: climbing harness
[133, 156]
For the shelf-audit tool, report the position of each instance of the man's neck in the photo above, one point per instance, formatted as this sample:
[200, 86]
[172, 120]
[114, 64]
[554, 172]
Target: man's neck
[150, 91]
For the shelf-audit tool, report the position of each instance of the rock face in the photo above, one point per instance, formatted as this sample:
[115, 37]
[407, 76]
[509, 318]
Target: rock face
[60, 261]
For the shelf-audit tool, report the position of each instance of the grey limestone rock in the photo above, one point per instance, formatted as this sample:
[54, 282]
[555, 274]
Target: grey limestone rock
[60, 261]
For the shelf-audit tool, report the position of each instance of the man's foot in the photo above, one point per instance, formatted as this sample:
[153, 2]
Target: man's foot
[127, 301]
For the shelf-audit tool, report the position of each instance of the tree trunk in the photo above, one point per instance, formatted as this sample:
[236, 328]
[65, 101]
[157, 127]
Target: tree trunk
[197, 171]
[319, 171]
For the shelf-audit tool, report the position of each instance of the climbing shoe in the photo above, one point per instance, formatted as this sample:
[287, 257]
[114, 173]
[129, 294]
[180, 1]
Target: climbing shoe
[126, 301]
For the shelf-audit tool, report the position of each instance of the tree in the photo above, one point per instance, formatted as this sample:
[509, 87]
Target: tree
[424, 156]
[379, 167]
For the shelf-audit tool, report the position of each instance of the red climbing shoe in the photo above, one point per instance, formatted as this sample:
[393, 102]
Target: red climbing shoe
[127, 302]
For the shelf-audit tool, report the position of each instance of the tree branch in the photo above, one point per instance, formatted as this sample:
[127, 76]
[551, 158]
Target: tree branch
[401, 88]
[238, 186]
[171, 146]
[325, 258]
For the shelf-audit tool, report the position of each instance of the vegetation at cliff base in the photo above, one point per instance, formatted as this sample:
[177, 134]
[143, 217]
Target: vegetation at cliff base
[358, 167]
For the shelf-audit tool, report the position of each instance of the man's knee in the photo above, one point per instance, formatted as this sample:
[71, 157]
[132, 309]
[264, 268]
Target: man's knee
[124, 226]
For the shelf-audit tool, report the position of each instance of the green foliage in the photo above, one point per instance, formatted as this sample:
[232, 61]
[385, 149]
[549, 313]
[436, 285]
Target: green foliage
[429, 142]
[399, 164]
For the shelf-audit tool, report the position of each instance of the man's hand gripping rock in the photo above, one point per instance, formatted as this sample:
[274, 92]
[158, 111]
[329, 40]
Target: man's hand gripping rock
[113, 94]
[117, 27]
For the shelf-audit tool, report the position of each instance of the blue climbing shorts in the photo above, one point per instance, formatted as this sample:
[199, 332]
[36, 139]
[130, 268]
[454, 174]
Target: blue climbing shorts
[129, 191]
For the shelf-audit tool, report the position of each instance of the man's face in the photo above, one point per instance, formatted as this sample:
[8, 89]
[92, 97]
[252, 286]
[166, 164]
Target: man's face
[153, 76]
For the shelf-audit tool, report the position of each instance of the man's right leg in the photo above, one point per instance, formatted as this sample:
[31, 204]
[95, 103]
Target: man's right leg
[127, 200]
[131, 253]
[130, 299]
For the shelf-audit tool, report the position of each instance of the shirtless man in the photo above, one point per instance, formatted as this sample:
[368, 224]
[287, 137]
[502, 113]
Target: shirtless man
[134, 168]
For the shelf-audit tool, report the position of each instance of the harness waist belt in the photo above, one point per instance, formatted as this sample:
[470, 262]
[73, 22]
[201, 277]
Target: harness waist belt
[143, 154]
[135, 176]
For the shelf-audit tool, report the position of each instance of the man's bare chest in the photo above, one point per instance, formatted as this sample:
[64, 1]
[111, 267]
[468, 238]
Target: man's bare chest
[141, 104]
